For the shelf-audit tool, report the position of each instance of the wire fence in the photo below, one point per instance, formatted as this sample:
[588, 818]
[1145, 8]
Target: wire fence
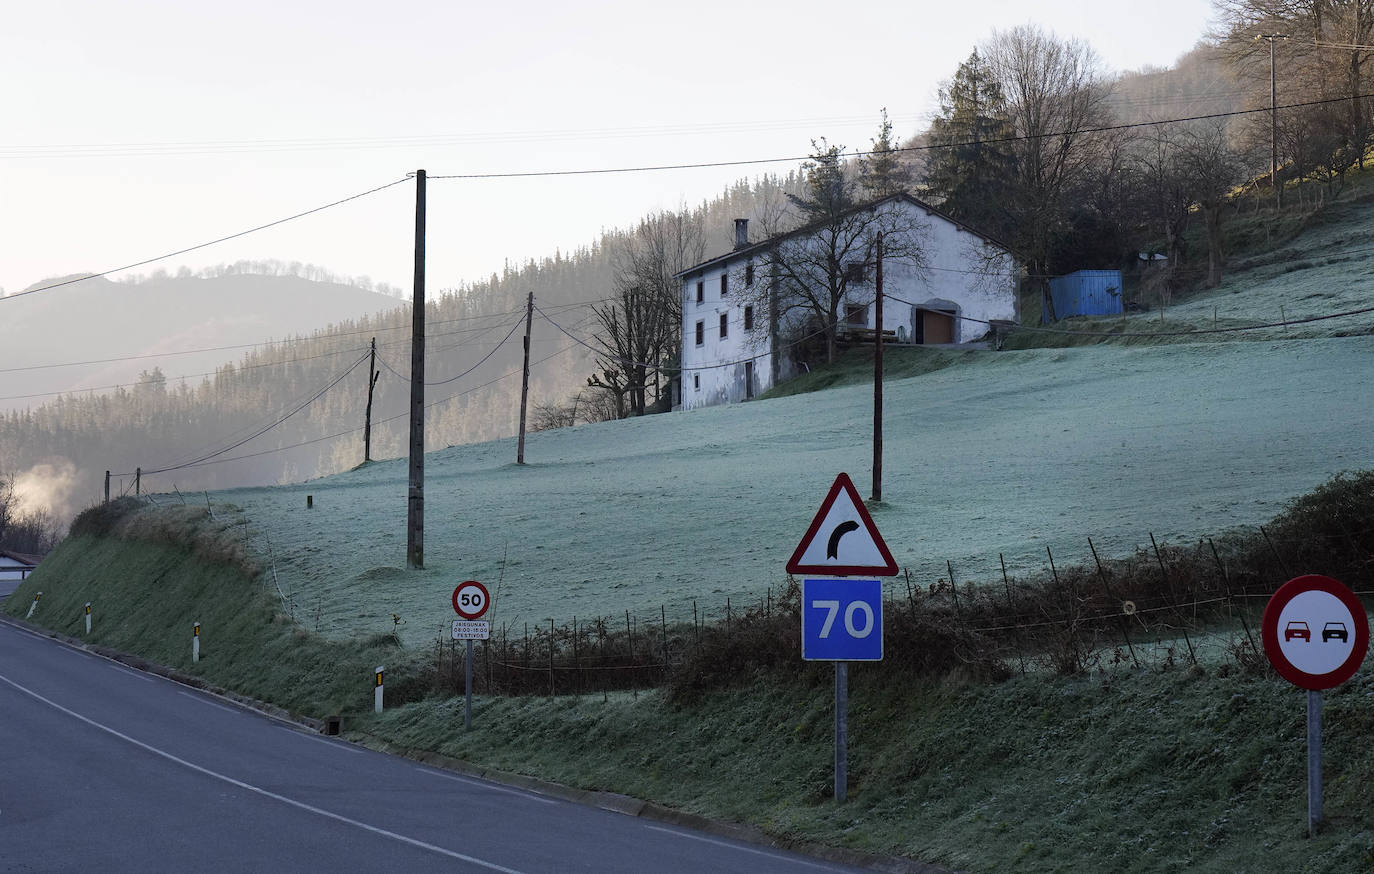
[1167, 604]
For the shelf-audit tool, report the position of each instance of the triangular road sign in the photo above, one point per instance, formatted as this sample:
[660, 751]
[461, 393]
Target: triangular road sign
[842, 540]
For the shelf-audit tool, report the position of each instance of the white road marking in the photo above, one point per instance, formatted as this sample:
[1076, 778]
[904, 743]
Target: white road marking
[131, 672]
[494, 788]
[790, 859]
[319, 740]
[203, 700]
[259, 790]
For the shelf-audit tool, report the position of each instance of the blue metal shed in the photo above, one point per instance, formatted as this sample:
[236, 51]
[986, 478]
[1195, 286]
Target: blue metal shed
[1086, 293]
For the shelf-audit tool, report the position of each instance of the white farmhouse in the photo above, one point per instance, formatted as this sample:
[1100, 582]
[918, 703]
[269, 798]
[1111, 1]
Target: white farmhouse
[740, 331]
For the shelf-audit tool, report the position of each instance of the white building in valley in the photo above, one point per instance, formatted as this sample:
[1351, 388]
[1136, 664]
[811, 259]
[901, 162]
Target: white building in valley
[745, 328]
[16, 566]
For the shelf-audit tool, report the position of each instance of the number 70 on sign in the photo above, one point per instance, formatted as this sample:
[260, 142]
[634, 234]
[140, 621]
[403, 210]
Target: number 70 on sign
[842, 620]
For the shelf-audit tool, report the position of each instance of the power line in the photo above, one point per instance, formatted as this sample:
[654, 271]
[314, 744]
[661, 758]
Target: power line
[648, 168]
[318, 337]
[338, 434]
[1182, 333]
[480, 362]
[183, 376]
[234, 236]
[259, 432]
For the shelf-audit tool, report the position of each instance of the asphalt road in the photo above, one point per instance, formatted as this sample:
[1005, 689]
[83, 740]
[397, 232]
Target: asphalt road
[103, 768]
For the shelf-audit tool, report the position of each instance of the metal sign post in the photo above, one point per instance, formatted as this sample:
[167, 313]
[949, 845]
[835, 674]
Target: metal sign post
[470, 601]
[1316, 634]
[467, 697]
[842, 619]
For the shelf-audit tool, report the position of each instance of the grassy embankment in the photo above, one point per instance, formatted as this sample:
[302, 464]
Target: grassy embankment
[1160, 769]
[151, 574]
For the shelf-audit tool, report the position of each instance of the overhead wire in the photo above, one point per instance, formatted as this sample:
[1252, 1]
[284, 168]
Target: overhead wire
[480, 362]
[1231, 329]
[260, 431]
[214, 242]
[524, 174]
[184, 376]
[354, 430]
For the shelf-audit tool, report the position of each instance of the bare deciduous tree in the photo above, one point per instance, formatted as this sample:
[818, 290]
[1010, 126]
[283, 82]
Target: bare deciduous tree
[828, 260]
[1055, 97]
[1212, 169]
[640, 332]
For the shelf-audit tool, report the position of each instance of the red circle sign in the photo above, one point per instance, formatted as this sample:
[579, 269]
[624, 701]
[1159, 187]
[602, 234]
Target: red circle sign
[471, 599]
[1315, 632]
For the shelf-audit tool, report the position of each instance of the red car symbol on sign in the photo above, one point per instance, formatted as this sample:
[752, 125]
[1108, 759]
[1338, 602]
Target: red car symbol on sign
[1297, 629]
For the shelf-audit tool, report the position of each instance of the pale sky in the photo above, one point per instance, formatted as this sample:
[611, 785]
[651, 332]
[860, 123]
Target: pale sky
[141, 127]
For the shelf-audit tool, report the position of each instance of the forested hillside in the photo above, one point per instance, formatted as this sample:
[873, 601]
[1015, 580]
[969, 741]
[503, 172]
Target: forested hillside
[1033, 143]
[175, 428]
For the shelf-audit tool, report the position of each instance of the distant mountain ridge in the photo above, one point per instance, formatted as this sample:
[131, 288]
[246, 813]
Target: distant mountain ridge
[96, 319]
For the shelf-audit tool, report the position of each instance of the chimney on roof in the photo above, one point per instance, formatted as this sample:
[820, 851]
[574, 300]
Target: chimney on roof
[741, 233]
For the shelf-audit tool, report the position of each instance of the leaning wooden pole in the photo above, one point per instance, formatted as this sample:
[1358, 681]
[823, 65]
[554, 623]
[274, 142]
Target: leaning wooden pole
[878, 379]
[415, 516]
[372, 374]
[525, 381]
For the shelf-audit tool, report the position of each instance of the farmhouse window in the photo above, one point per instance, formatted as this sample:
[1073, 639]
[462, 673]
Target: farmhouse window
[696, 381]
[701, 333]
[724, 325]
[748, 318]
[749, 274]
[854, 271]
[855, 314]
[701, 290]
[724, 284]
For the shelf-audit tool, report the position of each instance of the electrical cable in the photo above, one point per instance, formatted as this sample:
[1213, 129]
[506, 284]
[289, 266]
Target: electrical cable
[234, 236]
[183, 376]
[1183, 333]
[338, 434]
[263, 430]
[480, 362]
[897, 150]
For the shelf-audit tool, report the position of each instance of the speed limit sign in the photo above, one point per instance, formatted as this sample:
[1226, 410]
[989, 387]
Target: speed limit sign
[471, 599]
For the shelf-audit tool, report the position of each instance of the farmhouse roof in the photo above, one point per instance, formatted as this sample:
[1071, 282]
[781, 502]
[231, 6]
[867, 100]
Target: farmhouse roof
[22, 557]
[817, 225]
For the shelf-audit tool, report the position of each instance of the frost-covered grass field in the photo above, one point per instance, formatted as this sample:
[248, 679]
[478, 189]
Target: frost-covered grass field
[998, 453]
[1006, 453]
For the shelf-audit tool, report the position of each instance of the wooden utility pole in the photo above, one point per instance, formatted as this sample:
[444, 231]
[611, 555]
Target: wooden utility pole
[415, 516]
[878, 379]
[1273, 118]
[525, 381]
[107, 487]
[372, 374]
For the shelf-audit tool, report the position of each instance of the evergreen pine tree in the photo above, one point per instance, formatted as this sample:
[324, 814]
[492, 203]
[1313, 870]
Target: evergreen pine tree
[883, 172]
[969, 162]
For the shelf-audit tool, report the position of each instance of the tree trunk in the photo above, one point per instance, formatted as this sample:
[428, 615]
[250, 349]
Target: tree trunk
[1215, 256]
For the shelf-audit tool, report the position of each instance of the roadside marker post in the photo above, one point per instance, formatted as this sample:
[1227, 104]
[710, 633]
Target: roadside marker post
[842, 619]
[1316, 634]
[470, 601]
[195, 642]
[88, 618]
[34, 605]
[377, 690]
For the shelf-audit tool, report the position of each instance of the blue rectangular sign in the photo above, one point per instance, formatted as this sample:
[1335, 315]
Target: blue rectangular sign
[842, 620]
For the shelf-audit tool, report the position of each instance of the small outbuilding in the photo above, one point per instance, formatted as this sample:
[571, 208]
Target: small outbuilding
[1086, 293]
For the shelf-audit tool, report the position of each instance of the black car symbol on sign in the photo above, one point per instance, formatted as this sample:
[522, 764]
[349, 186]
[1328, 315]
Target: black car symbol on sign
[1333, 630]
[1297, 628]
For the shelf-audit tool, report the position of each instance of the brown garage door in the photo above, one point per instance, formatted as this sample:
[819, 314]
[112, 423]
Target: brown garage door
[936, 327]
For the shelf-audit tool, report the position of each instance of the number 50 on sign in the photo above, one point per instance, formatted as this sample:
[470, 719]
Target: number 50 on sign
[842, 620]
